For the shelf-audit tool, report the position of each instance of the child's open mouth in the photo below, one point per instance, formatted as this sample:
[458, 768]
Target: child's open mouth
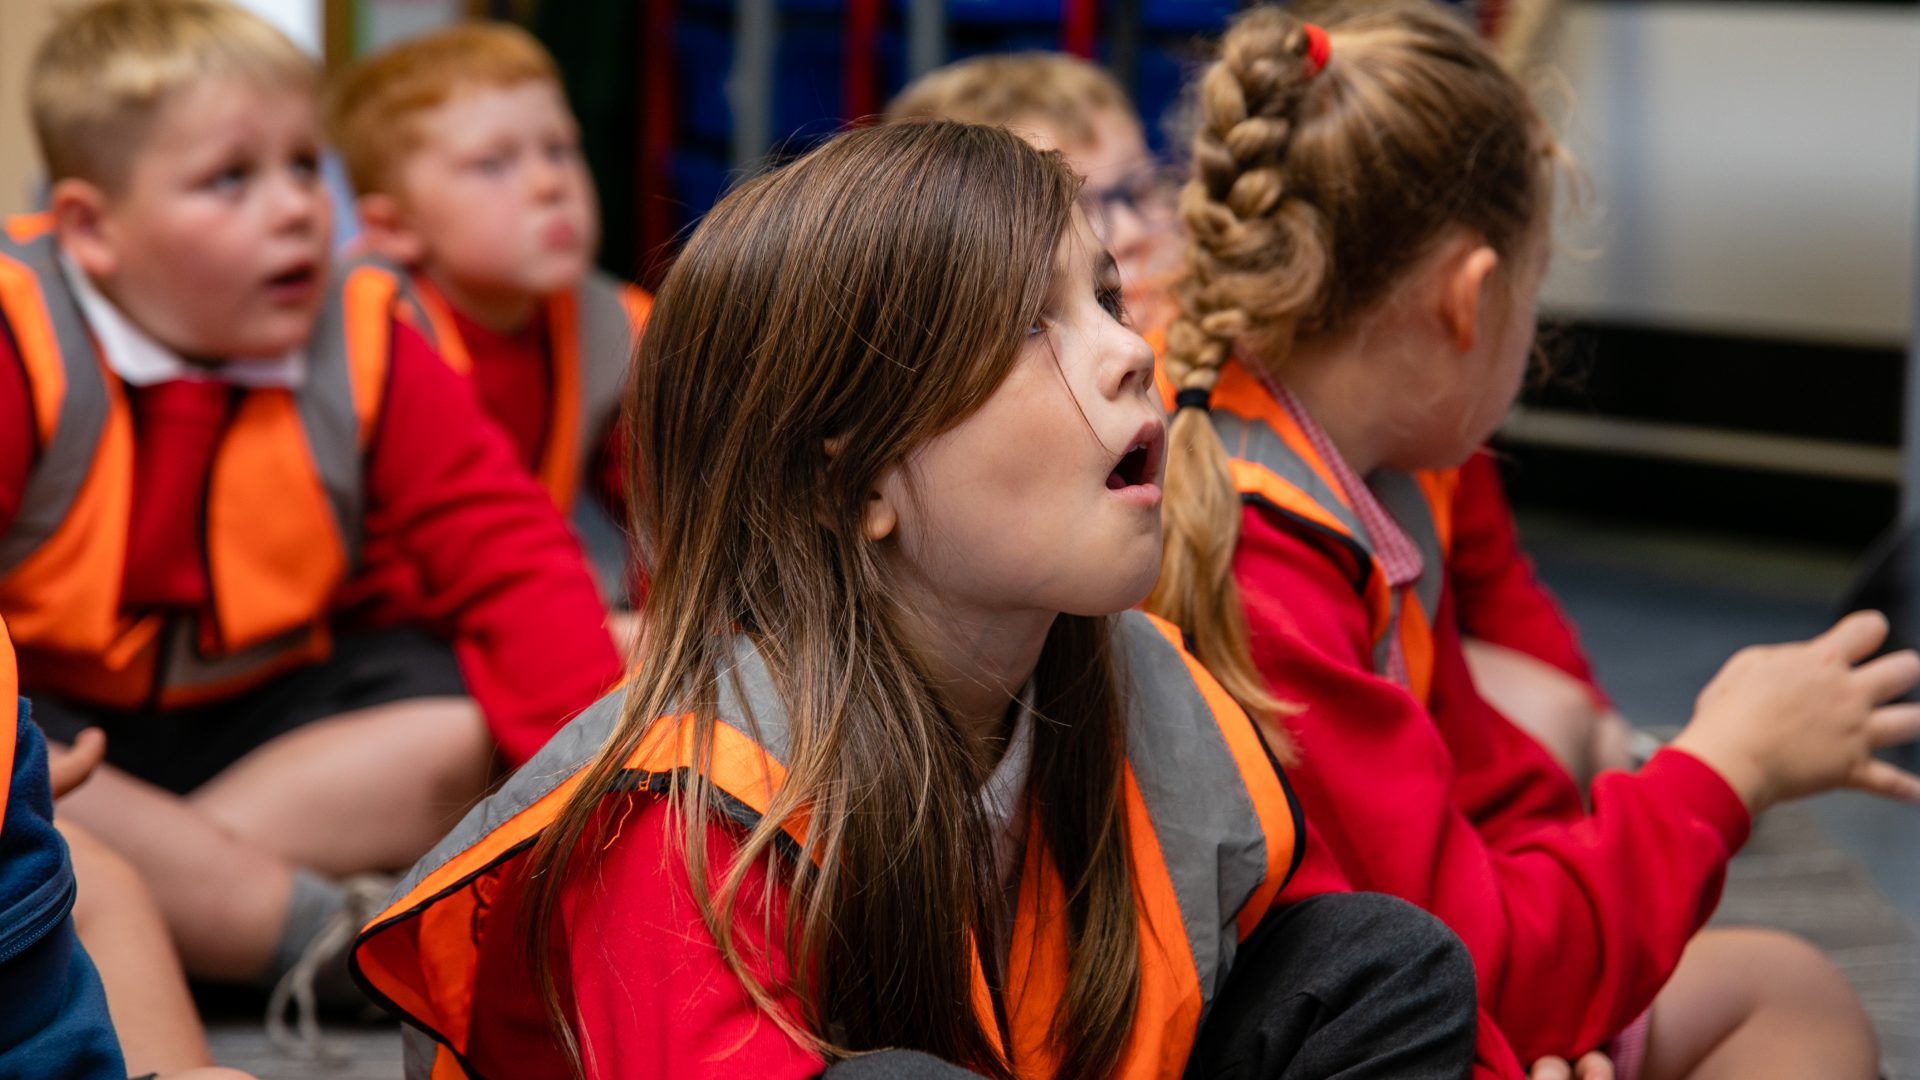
[1140, 465]
[297, 280]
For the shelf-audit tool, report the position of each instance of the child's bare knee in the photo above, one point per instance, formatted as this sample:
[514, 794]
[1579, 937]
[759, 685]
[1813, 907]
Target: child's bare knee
[101, 874]
[1779, 971]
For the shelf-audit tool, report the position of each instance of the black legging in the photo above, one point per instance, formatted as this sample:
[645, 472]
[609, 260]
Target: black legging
[1338, 987]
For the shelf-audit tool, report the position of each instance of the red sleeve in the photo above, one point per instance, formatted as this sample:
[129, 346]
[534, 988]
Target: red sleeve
[1574, 921]
[493, 557]
[1500, 599]
[651, 994]
[17, 443]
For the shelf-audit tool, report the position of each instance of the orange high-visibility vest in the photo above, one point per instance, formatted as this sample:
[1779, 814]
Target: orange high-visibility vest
[9, 726]
[1215, 834]
[282, 524]
[591, 333]
[1276, 468]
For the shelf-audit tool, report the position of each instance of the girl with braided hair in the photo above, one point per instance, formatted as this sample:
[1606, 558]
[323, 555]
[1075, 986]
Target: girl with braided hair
[1368, 216]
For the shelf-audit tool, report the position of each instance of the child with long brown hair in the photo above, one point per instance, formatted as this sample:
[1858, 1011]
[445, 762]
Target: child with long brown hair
[1369, 225]
[894, 774]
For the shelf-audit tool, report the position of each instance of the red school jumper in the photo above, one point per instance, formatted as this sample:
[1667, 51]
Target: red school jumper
[448, 507]
[1419, 789]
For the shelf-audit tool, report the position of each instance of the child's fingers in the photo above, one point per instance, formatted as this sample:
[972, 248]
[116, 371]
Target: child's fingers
[1550, 1068]
[1595, 1066]
[1891, 725]
[67, 769]
[1876, 777]
[1856, 636]
[1889, 676]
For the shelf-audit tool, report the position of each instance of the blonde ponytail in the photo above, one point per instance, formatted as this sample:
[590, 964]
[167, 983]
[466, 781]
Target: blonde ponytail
[1255, 261]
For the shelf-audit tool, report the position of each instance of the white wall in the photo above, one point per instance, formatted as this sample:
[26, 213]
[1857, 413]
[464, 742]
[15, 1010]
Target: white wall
[300, 20]
[1755, 167]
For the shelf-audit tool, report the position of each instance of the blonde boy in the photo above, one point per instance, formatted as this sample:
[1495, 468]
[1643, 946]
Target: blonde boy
[1064, 103]
[466, 160]
[204, 444]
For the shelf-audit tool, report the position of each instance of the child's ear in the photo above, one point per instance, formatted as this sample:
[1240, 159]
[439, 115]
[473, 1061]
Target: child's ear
[880, 517]
[79, 210]
[387, 232]
[1468, 276]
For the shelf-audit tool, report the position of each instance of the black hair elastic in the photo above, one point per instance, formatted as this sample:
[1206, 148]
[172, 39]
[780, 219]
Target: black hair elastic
[1193, 397]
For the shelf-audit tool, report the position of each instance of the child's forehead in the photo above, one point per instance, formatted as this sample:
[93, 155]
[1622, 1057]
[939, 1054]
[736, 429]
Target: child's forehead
[1107, 143]
[224, 107]
[467, 94]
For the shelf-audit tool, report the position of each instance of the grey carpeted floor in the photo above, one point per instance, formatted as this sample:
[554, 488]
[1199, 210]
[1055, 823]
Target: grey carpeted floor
[1659, 613]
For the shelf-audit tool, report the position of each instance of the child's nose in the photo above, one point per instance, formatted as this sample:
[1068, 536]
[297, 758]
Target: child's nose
[1133, 363]
[549, 179]
[298, 204]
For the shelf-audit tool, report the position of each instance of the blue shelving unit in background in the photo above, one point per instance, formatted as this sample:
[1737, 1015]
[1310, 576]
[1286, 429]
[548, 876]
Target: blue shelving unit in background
[756, 81]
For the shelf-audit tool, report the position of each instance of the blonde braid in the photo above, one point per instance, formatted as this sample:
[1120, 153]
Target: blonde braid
[1255, 261]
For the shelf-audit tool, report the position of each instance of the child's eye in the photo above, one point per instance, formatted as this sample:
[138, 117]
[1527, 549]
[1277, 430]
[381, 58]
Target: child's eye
[306, 166]
[1040, 326]
[492, 164]
[228, 180]
[562, 151]
[1113, 302]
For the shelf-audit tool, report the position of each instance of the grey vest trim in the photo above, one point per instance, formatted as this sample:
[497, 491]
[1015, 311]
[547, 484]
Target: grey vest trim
[1399, 492]
[331, 421]
[606, 356]
[63, 467]
[1208, 833]
[417, 1049]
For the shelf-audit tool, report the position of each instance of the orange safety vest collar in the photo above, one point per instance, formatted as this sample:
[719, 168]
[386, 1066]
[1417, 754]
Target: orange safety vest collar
[591, 334]
[283, 515]
[1215, 835]
[1276, 468]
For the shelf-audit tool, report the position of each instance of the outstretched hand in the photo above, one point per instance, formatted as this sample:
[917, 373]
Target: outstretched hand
[1783, 721]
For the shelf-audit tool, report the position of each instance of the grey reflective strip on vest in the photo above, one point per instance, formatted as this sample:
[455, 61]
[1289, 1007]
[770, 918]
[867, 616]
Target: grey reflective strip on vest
[1209, 833]
[417, 1050]
[1253, 441]
[575, 746]
[64, 465]
[1399, 492]
[1402, 496]
[331, 421]
[606, 355]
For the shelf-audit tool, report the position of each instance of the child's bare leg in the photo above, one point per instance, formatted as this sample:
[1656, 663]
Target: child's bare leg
[1756, 1004]
[224, 899]
[128, 941]
[372, 789]
[1557, 709]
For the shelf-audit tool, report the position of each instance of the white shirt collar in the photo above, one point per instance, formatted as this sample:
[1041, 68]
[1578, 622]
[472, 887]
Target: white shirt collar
[138, 359]
[1003, 794]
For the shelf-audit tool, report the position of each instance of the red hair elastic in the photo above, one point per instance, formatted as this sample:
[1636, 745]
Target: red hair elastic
[1319, 48]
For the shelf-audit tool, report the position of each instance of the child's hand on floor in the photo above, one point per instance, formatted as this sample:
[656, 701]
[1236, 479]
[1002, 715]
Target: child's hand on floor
[68, 767]
[1595, 1066]
[1782, 721]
